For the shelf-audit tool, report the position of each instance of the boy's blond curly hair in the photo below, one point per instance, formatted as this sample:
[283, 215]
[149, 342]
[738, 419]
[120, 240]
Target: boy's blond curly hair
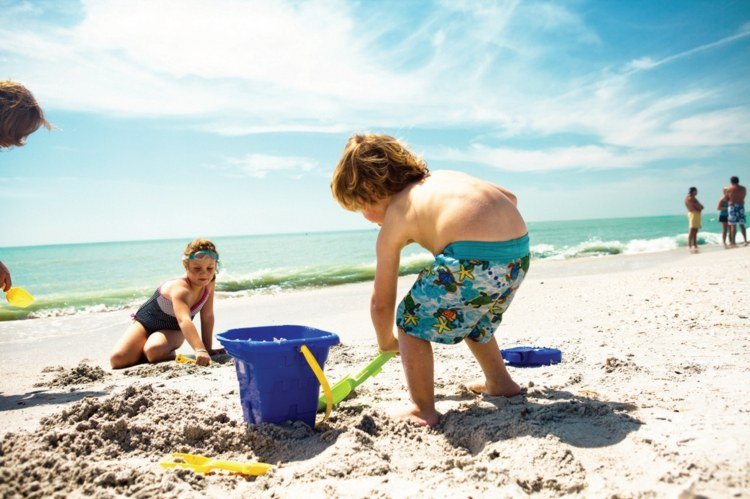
[20, 115]
[373, 167]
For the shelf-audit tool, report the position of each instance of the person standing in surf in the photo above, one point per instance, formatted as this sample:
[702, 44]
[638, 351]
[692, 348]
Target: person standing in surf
[736, 210]
[694, 218]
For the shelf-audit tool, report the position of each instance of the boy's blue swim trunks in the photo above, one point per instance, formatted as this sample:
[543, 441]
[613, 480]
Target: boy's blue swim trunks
[465, 292]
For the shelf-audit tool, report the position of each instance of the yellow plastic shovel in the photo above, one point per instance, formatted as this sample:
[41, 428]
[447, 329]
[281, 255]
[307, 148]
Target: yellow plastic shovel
[203, 464]
[19, 297]
[343, 388]
[181, 358]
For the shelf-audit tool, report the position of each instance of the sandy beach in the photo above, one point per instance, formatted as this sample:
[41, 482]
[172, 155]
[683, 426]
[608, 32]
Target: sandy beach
[649, 401]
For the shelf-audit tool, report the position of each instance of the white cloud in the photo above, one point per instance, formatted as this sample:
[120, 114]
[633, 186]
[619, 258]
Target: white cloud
[239, 67]
[633, 142]
[646, 63]
[525, 160]
[271, 62]
[259, 165]
[642, 63]
[21, 8]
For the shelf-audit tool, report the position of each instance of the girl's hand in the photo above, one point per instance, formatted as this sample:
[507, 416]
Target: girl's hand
[202, 358]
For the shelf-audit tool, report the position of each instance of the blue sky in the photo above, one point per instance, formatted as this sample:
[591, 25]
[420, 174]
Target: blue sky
[223, 117]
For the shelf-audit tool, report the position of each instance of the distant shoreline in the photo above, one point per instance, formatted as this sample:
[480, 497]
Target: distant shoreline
[298, 233]
[308, 279]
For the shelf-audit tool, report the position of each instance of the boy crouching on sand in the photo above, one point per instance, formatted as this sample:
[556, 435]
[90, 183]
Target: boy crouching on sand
[481, 250]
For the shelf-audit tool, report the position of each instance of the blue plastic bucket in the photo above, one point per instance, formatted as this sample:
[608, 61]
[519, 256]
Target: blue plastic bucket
[276, 382]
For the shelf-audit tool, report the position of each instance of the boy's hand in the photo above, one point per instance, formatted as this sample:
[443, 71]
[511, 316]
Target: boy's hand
[202, 358]
[389, 345]
[5, 281]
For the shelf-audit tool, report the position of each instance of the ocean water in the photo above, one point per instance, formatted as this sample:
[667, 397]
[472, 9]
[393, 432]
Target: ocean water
[94, 277]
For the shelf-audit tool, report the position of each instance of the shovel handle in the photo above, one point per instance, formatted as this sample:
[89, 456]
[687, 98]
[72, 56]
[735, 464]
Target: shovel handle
[240, 467]
[202, 464]
[315, 367]
[373, 368]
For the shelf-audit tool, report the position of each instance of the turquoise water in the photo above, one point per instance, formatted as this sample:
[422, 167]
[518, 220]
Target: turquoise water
[87, 278]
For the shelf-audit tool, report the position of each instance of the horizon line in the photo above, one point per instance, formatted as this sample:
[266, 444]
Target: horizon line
[262, 234]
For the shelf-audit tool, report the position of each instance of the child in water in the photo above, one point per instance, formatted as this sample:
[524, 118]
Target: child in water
[481, 250]
[165, 321]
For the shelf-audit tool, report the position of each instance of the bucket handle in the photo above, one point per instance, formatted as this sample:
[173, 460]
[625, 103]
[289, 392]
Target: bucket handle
[321, 378]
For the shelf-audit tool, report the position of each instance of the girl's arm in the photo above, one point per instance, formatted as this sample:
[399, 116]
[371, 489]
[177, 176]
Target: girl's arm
[207, 320]
[179, 296]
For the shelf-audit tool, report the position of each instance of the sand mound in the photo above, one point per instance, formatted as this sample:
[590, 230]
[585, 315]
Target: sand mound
[79, 375]
[170, 370]
[113, 445]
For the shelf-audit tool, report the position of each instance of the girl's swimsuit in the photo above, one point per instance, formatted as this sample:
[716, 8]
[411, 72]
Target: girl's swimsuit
[157, 314]
[465, 292]
[724, 212]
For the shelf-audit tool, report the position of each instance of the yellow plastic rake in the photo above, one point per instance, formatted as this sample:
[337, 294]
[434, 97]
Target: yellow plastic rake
[203, 464]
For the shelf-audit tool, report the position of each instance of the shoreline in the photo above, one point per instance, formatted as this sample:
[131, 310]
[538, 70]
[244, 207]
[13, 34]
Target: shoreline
[555, 265]
[541, 269]
[648, 400]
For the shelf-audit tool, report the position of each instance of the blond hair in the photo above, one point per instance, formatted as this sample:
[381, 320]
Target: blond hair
[20, 115]
[373, 167]
[200, 244]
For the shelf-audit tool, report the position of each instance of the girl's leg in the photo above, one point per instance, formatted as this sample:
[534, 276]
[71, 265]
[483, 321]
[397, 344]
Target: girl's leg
[724, 233]
[129, 350]
[497, 380]
[162, 344]
[416, 357]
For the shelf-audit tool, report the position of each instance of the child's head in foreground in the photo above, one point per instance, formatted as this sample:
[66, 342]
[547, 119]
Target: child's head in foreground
[201, 255]
[372, 168]
[20, 115]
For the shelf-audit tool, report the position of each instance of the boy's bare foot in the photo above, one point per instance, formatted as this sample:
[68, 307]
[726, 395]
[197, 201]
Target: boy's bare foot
[415, 415]
[508, 390]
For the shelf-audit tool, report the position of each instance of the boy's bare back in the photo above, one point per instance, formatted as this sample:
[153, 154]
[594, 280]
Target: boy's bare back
[449, 206]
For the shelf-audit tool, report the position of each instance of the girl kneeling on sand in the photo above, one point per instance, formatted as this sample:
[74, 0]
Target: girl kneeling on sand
[165, 321]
